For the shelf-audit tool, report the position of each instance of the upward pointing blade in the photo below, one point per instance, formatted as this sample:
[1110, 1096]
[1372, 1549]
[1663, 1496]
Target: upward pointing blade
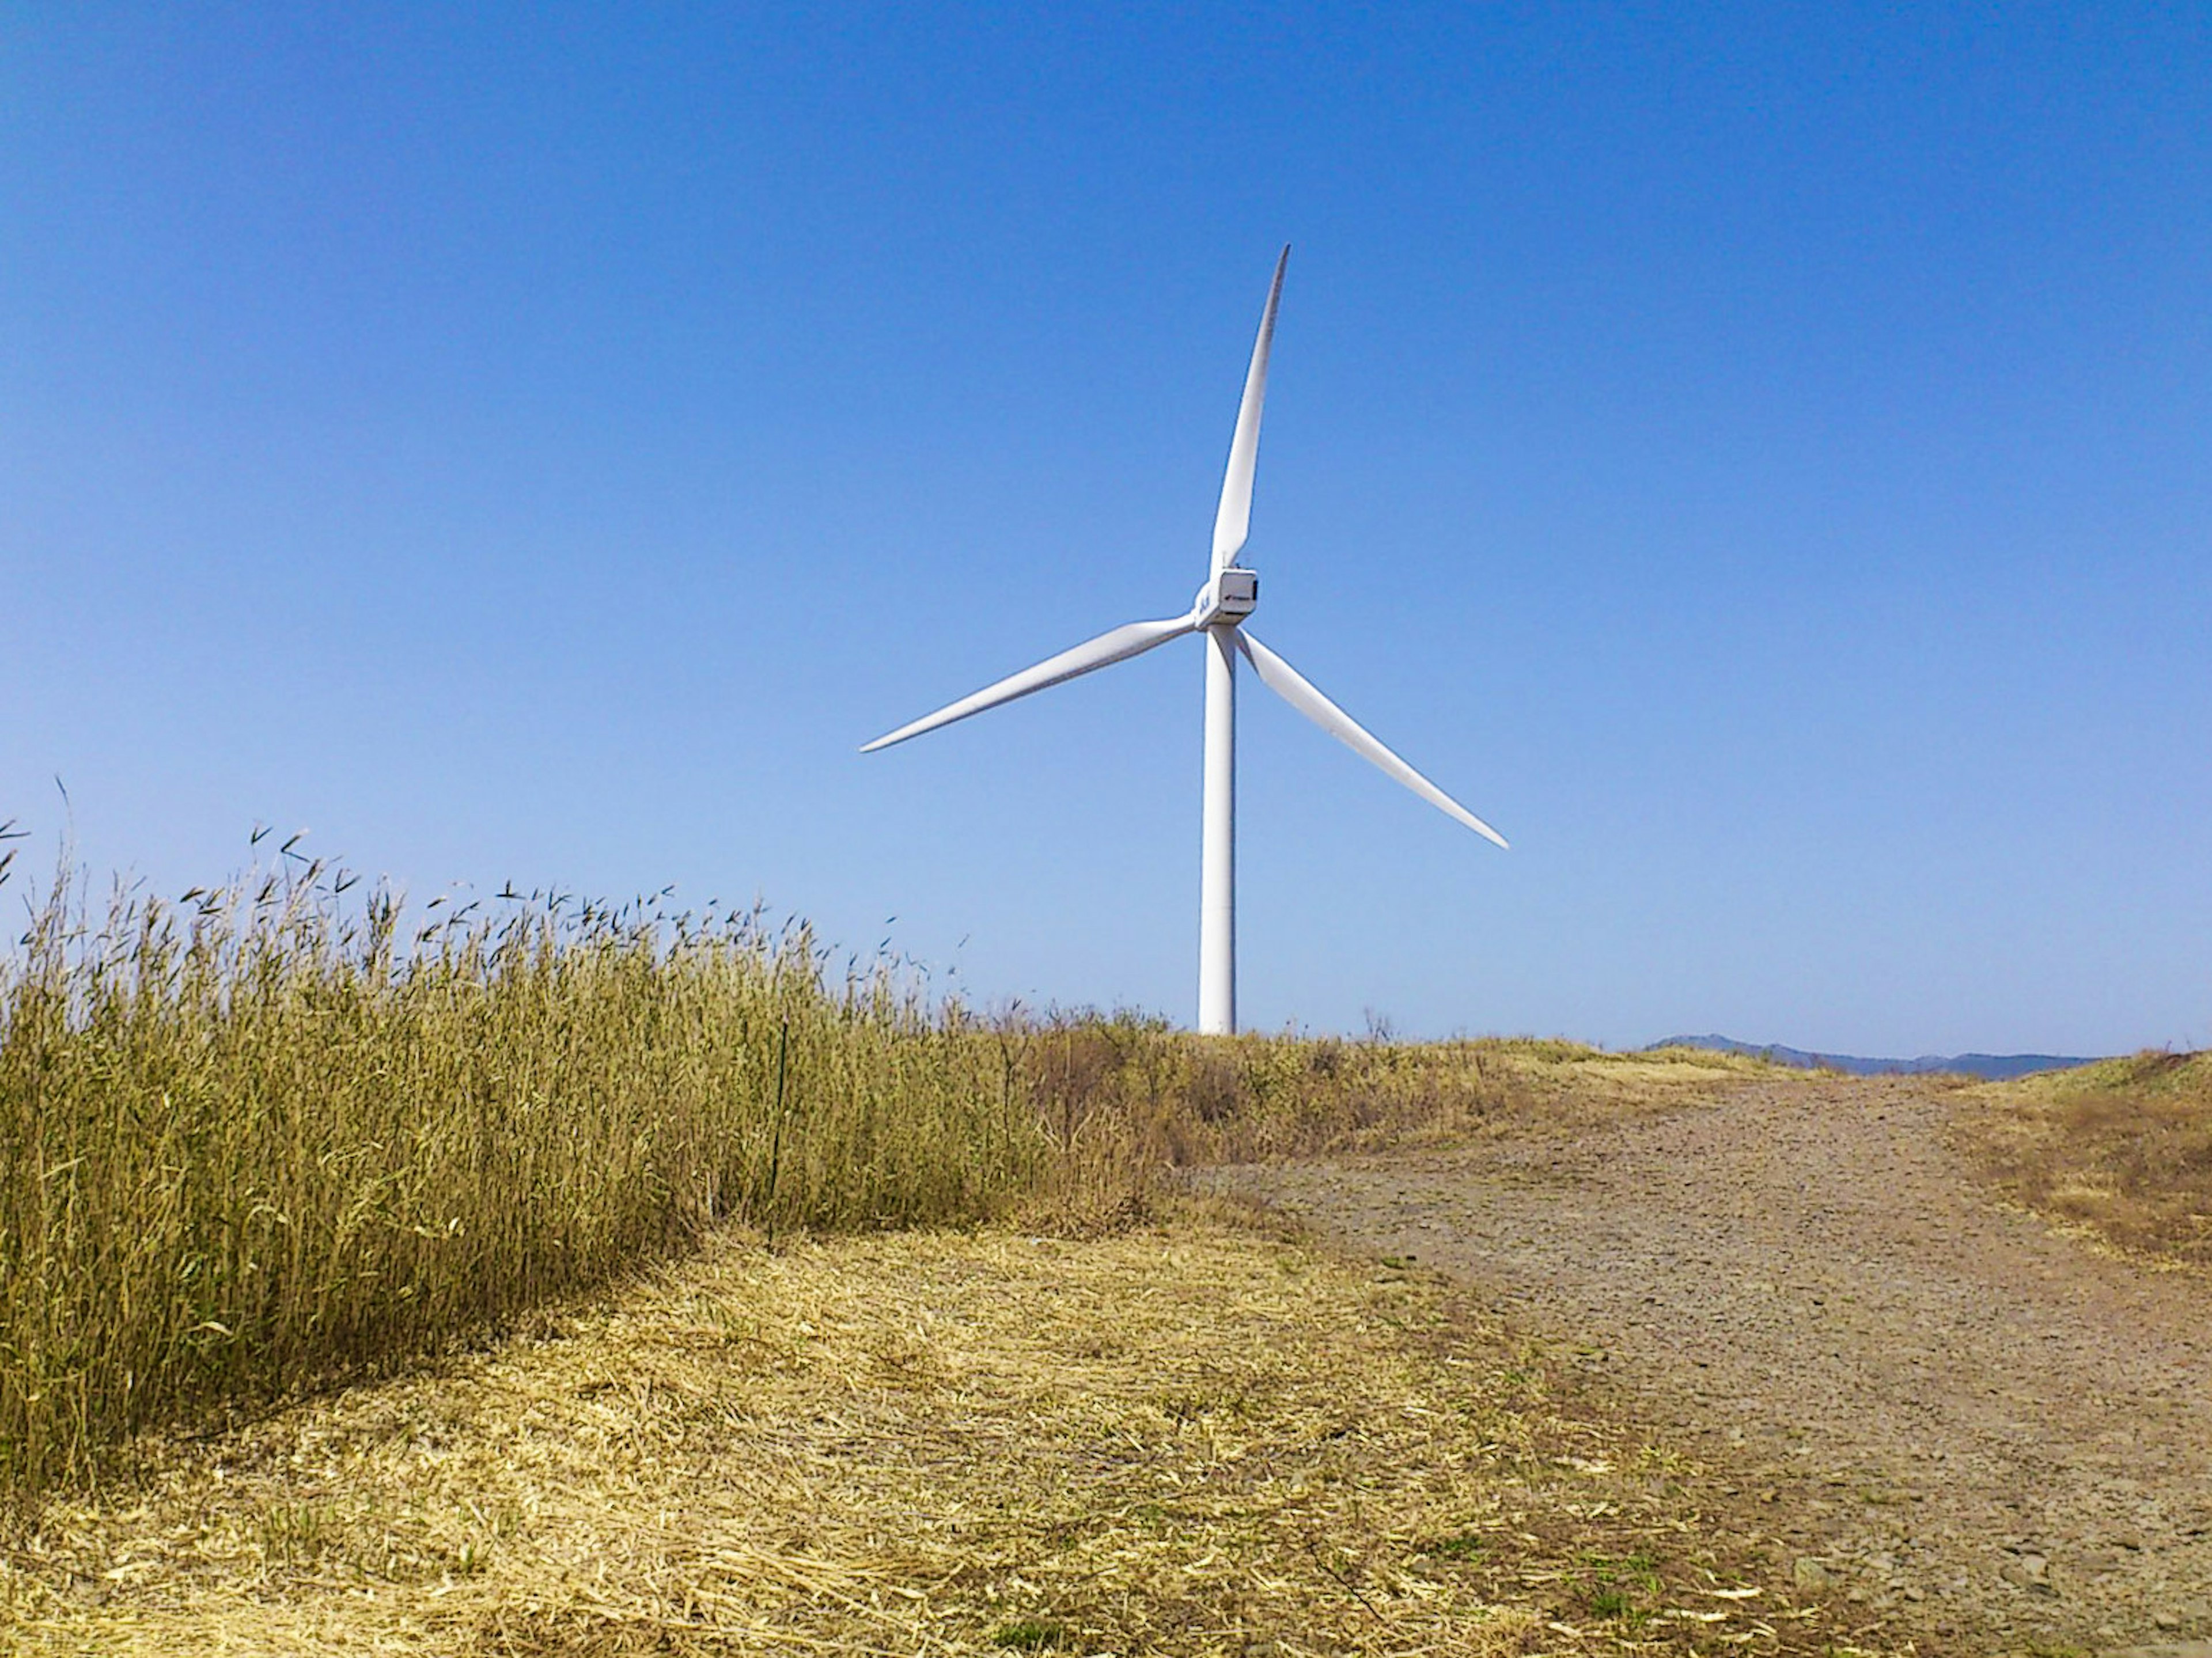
[1287, 683]
[1118, 645]
[1233, 522]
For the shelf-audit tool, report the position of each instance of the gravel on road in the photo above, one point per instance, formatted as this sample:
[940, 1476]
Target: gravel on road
[1962, 1416]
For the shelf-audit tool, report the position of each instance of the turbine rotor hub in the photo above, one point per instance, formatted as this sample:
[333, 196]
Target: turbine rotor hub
[1232, 595]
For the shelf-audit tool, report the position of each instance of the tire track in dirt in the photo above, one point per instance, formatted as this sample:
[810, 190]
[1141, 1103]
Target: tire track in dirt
[1960, 1415]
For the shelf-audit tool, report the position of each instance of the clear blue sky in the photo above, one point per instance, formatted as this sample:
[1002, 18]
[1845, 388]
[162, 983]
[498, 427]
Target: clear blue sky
[1759, 458]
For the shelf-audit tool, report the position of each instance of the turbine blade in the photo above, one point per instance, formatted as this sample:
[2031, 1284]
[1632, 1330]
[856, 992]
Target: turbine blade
[1287, 683]
[1232, 523]
[1118, 645]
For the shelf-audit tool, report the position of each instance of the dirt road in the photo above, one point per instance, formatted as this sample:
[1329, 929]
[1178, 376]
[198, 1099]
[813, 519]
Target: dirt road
[1956, 1413]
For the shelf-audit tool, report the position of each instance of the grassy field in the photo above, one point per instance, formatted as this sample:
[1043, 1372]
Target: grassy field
[2123, 1148]
[695, 1293]
[1190, 1438]
[278, 1134]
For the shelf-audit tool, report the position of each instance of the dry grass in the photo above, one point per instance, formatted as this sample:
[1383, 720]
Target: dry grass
[1140, 1096]
[1188, 1439]
[2123, 1147]
[272, 1136]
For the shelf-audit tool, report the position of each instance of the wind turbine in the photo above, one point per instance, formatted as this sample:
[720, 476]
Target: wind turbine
[1230, 594]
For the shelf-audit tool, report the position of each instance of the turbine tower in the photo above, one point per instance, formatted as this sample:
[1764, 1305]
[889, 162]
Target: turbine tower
[1230, 594]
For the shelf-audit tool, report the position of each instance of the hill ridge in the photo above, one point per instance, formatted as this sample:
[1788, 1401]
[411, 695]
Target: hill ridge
[1995, 1067]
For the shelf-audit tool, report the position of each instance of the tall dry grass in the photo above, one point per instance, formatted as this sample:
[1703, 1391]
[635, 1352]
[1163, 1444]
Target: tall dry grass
[276, 1133]
[271, 1134]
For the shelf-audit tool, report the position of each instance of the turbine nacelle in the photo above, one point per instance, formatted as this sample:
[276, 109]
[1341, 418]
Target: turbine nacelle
[1232, 595]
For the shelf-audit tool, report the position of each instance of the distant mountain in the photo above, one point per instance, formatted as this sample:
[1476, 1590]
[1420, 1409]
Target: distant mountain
[1997, 1068]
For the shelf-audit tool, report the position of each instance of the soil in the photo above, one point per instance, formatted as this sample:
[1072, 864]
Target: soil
[1984, 1427]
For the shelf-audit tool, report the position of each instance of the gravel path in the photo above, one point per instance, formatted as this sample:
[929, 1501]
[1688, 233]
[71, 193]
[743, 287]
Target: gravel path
[1957, 1414]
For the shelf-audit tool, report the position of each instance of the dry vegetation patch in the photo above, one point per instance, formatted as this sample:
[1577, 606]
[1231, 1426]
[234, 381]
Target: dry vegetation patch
[279, 1133]
[2124, 1148]
[1191, 1438]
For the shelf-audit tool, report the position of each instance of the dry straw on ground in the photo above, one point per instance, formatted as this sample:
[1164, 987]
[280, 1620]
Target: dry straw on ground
[1194, 1439]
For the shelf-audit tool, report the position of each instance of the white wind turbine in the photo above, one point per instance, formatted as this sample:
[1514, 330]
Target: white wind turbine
[1230, 595]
